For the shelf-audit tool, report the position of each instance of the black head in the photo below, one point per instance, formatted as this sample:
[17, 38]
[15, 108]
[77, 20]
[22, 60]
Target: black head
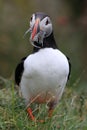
[40, 15]
[41, 29]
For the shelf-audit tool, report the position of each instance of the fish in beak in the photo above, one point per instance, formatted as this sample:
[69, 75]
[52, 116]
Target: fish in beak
[37, 34]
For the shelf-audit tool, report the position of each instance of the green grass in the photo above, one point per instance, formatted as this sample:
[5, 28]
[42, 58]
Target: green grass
[70, 114]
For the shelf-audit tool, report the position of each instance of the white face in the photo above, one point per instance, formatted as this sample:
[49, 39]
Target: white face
[32, 21]
[45, 25]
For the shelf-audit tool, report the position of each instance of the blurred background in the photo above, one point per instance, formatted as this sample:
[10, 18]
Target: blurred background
[69, 18]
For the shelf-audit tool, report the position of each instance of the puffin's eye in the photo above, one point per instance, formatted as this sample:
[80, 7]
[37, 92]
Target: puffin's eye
[47, 22]
[31, 18]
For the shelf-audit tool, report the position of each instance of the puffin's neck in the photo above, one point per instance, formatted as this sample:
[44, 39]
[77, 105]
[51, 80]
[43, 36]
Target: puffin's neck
[49, 42]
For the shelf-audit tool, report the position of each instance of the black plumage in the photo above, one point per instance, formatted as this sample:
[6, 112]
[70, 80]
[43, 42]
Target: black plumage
[19, 70]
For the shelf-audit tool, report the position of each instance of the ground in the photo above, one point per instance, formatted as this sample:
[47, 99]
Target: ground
[70, 114]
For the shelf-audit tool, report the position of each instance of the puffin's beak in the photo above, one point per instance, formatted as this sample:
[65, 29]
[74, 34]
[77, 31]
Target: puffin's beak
[35, 28]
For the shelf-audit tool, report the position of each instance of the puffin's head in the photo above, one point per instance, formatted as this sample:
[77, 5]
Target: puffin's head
[40, 28]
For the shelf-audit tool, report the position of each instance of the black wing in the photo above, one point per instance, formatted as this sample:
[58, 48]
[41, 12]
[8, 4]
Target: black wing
[19, 71]
[69, 68]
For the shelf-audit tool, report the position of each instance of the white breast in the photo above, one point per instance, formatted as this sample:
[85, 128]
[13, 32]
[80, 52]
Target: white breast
[44, 71]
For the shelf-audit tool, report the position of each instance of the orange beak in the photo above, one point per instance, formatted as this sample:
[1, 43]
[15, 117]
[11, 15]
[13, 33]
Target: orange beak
[35, 29]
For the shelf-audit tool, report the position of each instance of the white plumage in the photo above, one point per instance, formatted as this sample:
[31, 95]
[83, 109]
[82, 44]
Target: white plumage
[45, 73]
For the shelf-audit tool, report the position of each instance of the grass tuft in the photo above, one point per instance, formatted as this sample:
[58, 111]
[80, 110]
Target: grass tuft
[70, 114]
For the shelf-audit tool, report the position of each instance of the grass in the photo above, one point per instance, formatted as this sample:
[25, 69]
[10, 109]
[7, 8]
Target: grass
[70, 114]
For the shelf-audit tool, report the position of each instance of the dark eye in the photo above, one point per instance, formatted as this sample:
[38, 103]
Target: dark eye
[31, 18]
[47, 22]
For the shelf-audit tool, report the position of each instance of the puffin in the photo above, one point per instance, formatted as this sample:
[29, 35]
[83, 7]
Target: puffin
[43, 74]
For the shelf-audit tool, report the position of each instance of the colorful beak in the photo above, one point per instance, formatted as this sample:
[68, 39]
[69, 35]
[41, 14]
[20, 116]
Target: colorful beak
[35, 28]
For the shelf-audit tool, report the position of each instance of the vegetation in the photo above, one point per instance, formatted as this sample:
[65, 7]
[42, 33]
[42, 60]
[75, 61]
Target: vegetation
[70, 114]
[69, 18]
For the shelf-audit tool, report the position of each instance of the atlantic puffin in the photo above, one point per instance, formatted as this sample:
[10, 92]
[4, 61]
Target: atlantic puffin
[42, 75]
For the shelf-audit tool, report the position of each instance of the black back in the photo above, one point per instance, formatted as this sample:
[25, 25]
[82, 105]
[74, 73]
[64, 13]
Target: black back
[19, 71]
[69, 67]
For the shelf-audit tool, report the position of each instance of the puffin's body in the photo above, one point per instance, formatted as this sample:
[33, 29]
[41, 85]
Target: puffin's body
[43, 74]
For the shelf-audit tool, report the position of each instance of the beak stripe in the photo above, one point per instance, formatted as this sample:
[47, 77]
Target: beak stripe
[35, 29]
